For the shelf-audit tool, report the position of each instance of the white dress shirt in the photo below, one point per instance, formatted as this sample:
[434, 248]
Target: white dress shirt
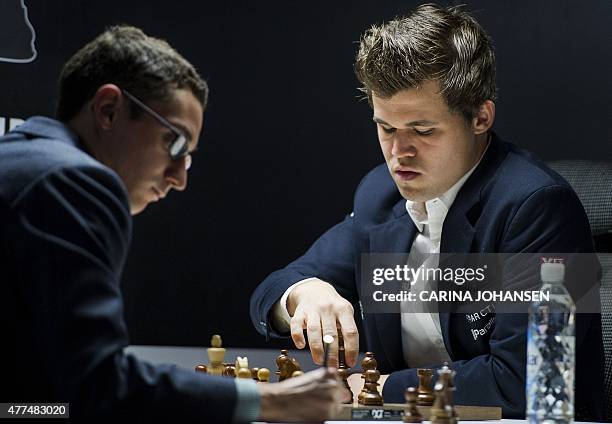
[422, 342]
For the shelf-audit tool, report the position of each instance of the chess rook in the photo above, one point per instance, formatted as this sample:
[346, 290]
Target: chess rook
[425, 395]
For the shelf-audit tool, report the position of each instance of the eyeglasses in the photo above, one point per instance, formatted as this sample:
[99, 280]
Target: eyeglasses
[179, 148]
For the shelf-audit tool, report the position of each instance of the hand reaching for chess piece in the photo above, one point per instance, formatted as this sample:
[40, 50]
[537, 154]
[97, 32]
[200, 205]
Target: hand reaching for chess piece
[315, 306]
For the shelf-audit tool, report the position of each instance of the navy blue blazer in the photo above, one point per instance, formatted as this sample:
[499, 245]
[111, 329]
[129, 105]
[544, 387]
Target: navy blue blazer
[512, 203]
[65, 229]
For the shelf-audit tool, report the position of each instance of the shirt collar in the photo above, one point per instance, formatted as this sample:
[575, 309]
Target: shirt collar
[431, 218]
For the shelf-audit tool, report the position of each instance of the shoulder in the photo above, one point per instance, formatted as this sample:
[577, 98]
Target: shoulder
[522, 173]
[79, 208]
[25, 164]
[521, 179]
[531, 206]
[60, 195]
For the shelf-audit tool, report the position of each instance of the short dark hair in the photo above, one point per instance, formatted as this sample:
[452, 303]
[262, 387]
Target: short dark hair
[123, 55]
[431, 43]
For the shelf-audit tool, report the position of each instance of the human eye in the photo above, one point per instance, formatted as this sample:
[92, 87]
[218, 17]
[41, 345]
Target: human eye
[424, 132]
[169, 138]
[387, 130]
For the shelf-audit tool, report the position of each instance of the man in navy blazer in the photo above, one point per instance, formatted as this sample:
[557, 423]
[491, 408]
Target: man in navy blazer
[129, 115]
[449, 185]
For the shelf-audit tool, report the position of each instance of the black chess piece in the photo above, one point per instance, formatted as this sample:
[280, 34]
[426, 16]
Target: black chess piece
[343, 369]
[440, 411]
[369, 395]
[280, 362]
[411, 412]
[425, 395]
[446, 378]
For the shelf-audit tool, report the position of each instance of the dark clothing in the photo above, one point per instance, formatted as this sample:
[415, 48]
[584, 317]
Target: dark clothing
[512, 203]
[64, 235]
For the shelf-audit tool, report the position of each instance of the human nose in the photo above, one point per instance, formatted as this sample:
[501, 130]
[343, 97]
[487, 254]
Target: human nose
[403, 146]
[176, 173]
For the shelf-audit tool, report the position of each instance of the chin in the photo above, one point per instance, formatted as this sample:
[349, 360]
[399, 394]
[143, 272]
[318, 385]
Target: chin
[137, 207]
[414, 194]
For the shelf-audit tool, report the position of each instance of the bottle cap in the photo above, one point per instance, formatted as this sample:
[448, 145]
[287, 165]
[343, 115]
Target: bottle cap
[552, 272]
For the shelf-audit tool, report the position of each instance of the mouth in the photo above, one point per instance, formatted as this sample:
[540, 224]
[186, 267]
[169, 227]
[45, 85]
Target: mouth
[158, 195]
[404, 174]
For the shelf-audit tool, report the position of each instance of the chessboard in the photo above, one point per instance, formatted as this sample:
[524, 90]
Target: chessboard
[427, 402]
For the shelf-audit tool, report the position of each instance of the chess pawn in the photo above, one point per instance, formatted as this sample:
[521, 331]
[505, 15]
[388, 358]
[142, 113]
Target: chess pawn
[254, 372]
[297, 373]
[216, 355]
[263, 375]
[200, 368]
[369, 395]
[343, 370]
[440, 411]
[368, 363]
[425, 396]
[411, 412]
[229, 370]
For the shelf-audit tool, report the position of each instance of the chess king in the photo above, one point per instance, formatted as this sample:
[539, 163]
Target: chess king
[449, 184]
[129, 116]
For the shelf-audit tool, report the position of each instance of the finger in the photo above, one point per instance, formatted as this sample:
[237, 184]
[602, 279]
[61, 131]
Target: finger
[313, 331]
[332, 373]
[328, 322]
[298, 322]
[350, 335]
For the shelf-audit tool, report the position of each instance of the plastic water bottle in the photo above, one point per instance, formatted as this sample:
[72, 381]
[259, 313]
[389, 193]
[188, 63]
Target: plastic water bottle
[551, 351]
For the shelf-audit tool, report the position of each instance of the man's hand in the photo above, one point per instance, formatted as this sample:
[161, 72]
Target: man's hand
[314, 396]
[317, 307]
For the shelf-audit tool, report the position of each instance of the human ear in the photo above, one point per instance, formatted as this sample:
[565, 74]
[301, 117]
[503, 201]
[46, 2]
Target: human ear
[106, 103]
[483, 120]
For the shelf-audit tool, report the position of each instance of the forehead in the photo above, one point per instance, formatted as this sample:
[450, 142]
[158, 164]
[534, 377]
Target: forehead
[420, 103]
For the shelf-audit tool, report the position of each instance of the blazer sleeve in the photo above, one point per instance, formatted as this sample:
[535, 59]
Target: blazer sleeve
[551, 220]
[330, 258]
[71, 236]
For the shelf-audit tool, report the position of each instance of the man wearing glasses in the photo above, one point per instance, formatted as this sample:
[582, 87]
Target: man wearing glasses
[128, 118]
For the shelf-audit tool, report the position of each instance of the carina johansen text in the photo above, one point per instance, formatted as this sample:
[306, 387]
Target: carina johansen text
[459, 276]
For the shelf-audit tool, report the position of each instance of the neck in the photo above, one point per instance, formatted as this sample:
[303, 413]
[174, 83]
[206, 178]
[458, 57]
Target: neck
[481, 143]
[87, 133]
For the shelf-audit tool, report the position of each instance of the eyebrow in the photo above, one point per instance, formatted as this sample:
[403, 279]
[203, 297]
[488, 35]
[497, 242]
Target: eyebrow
[419, 123]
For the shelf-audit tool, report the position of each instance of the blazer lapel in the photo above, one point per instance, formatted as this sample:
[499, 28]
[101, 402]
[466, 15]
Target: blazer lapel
[457, 236]
[395, 236]
[459, 230]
